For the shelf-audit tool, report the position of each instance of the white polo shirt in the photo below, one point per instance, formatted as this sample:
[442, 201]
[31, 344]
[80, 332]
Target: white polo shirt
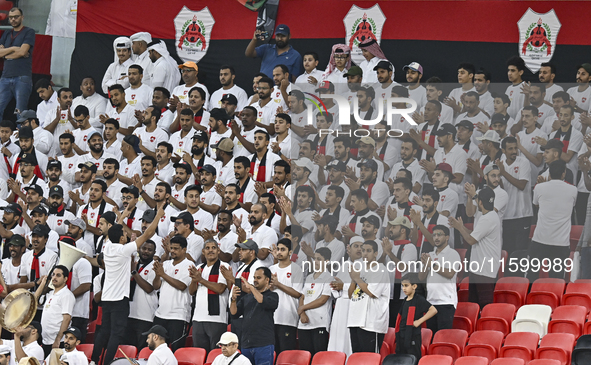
[291, 276]
[139, 98]
[166, 174]
[162, 355]
[143, 305]
[175, 304]
[441, 290]
[131, 168]
[202, 299]
[371, 314]
[81, 274]
[211, 197]
[519, 201]
[56, 305]
[181, 144]
[487, 231]
[556, 200]
[516, 98]
[117, 269]
[150, 140]
[528, 141]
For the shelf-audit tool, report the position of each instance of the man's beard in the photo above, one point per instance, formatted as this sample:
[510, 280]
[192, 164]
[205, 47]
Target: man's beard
[96, 150]
[196, 151]
[253, 221]
[107, 176]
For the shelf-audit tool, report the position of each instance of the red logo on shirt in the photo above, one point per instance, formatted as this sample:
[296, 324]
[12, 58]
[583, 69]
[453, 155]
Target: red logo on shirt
[162, 219]
[132, 96]
[97, 165]
[70, 165]
[152, 139]
[43, 263]
[59, 222]
[540, 114]
[584, 100]
[289, 276]
[312, 286]
[185, 92]
[85, 137]
[176, 271]
[516, 169]
[533, 140]
[196, 222]
[91, 215]
[180, 143]
[260, 114]
[511, 93]
[442, 198]
[203, 200]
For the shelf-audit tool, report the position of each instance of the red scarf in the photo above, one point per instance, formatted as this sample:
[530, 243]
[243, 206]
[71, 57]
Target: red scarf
[261, 173]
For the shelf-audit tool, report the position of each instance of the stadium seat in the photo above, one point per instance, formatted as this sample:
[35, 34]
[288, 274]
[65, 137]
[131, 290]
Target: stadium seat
[582, 351]
[568, 319]
[130, 351]
[213, 354]
[575, 235]
[87, 349]
[485, 344]
[507, 361]
[584, 281]
[512, 290]
[90, 332]
[426, 336]
[472, 360]
[465, 316]
[329, 358]
[400, 359]
[294, 357]
[449, 342]
[385, 350]
[464, 292]
[5, 6]
[578, 293]
[390, 339]
[435, 360]
[532, 318]
[556, 346]
[146, 352]
[546, 291]
[504, 257]
[364, 358]
[496, 317]
[522, 345]
[544, 362]
[190, 356]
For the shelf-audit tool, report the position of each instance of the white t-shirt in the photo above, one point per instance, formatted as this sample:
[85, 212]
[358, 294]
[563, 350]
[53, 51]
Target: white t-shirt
[182, 92]
[314, 288]
[201, 299]
[140, 98]
[441, 290]
[266, 114]
[117, 269]
[31, 350]
[528, 141]
[73, 357]
[175, 304]
[56, 305]
[10, 273]
[150, 140]
[211, 197]
[223, 360]
[487, 231]
[516, 98]
[457, 159]
[336, 247]
[418, 174]
[575, 143]
[291, 276]
[81, 274]
[419, 95]
[162, 355]
[195, 246]
[478, 118]
[131, 168]
[69, 168]
[144, 304]
[519, 201]
[556, 200]
[371, 314]
[550, 91]
[46, 262]
[216, 98]
[583, 99]
[265, 237]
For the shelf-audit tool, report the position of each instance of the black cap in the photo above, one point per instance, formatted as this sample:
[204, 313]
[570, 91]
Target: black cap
[499, 118]
[39, 209]
[74, 332]
[371, 163]
[109, 217]
[36, 188]
[202, 136]
[41, 230]
[337, 164]
[37, 326]
[69, 240]
[249, 245]
[553, 144]
[25, 132]
[157, 330]
[54, 163]
[56, 190]
[209, 168]
[28, 158]
[149, 215]
[89, 165]
[133, 141]
[445, 129]
[231, 99]
[385, 65]
[17, 240]
[466, 124]
[131, 189]
[372, 219]
[186, 217]
[13, 208]
[487, 197]
[184, 165]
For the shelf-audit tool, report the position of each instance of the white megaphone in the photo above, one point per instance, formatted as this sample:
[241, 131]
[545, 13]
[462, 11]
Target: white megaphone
[69, 255]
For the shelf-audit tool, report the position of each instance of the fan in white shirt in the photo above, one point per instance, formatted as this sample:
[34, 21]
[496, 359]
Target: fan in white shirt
[373, 54]
[165, 71]
[139, 46]
[307, 81]
[515, 70]
[165, 168]
[95, 103]
[149, 133]
[266, 106]
[43, 139]
[48, 97]
[417, 92]
[121, 111]
[138, 95]
[434, 91]
[117, 71]
[227, 76]
[61, 119]
[466, 80]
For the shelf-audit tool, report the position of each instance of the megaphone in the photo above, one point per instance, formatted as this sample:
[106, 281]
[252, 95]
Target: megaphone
[69, 255]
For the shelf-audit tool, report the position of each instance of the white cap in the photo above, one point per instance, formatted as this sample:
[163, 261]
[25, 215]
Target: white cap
[491, 136]
[141, 36]
[356, 239]
[227, 338]
[4, 349]
[305, 162]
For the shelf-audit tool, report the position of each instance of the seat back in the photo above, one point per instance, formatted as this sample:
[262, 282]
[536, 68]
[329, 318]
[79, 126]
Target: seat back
[436, 360]
[390, 338]
[507, 361]
[329, 358]
[544, 362]
[294, 357]
[546, 291]
[400, 359]
[485, 344]
[472, 360]
[130, 351]
[213, 354]
[146, 352]
[512, 290]
[578, 293]
[532, 318]
[496, 317]
[193, 355]
[463, 293]
[568, 319]
[87, 349]
[556, 346]
[426, 336]
[449, 342]
[465, 316]
[364, 358]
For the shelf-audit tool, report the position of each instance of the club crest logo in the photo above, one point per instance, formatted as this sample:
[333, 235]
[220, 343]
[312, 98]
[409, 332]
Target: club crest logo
[537, 37]
[193, 33]
[361, 25]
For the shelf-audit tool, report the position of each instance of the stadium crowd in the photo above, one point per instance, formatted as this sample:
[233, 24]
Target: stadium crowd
[200, 208]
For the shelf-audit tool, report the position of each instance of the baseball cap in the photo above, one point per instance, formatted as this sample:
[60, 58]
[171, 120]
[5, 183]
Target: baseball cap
[372, 219]
[466, 124]
[88, 165]
[337, 164]
[445, 129]
[488, 168]
[26, 115]
[37, 326]
[17, 240]
[54, 163]
[39, 209]
[498, 118]
[370, 163]
[4, 350]
[25, 132]
[366, 140]
[78, 222]
[157, 330]
[586, 66]
[200, 135]
[325, 86]
[91, 134]
[228, 338]
[282, 29]
[74, 332]
[56, 190]
[131, 189]
[356, 239]
[209, 168]
[444, 167]
[401, 221]
[133, 141]
[415, 66]
[13, 208]
[555, 144]
[354, 71]
[184, 165]
[383, 64]
[487, 197]
[249, 245]
[36, 188]
[186, 217]
[149, 215]
[491, 136]
[41, 230]
[190, 64]
[28, 158]
[230, 98]
[225, 144]
[110, 217]
[305, 162]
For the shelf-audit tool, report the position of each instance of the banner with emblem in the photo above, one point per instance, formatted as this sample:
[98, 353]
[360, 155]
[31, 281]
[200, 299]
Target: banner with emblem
[360, 25]
[193, 33]
[537, 37]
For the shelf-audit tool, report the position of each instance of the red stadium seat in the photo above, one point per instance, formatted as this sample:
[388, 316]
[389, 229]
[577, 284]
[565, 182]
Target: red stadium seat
[544, 362]
[512, 290]
[465, 316]
[364, 358]
[578, 293]
[584, 281]
[390, 339]
[87, 349]
[522, 345]
[546, 291]
[436, 360]
[485, 344]
[145, 353]
[568, 319]
[90, 332]
[385, 350]
[587, 328]
[5, 6]
[472, 360]
[532, 318]
[507, 361]
[463, 293]
[504, 257]
[426, 336]
[449, 342]
[496, 317]
[213, 354]
[190, 356]
[294, 357]
[329, 358]
[130, 351]
[575, 235]
[556, 346]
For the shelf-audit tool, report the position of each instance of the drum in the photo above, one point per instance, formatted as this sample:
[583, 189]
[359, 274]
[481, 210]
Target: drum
[124, 361]
[17, 310]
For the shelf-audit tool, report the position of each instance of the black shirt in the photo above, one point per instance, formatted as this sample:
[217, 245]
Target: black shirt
[258, 327]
